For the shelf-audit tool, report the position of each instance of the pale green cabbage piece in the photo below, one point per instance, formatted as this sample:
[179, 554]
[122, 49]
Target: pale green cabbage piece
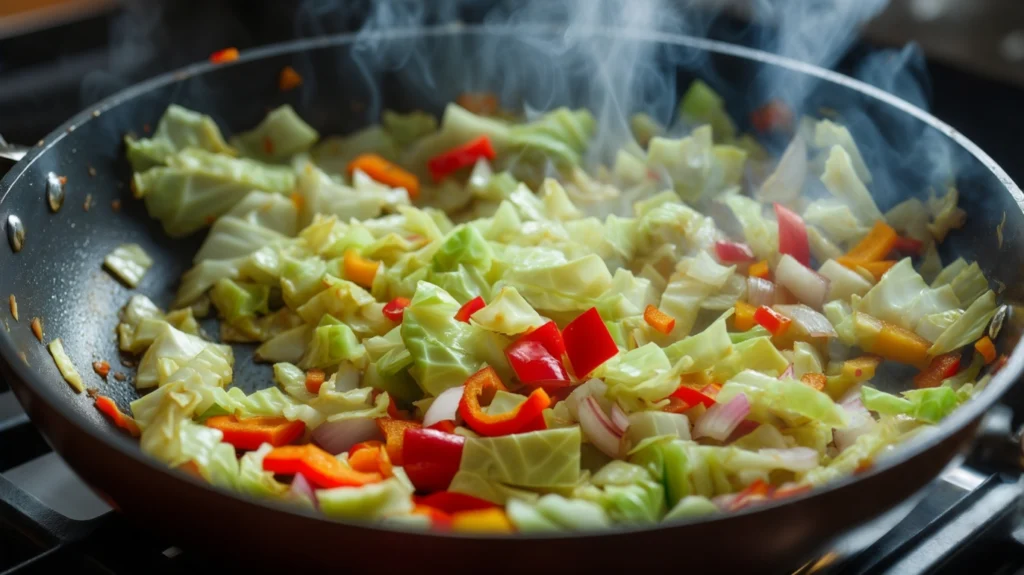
[757, 353]
[334, 154]
[129, 263]
[280, 135]
[348, 303]
[902, 298]
[786, 398]
[407, 128]
[65, 365]
[705, 349]
[253, 480]
[761, 235]
[643, 377]
[864, 450]
[931, 327]
[646, 424]
[692, 506]
[946, 213]
[697, 167]
[507, 313]
[288, 346]
[702, 105]
[910, 218]
[969, 284]
[141, 322]
[332, 343]
[333, 405]
[821, 247]
[828, 134]
[370, 501]
[569, 286]
[174, 348]
[836, 219]
[323, 195]
[644, 127]
[949, 272]
[536, 459]
[197, 186]
[489, 490]
[967, 328]
[843, 282]
[463, 246]
[627, 493]
[806, 359]
[842, 180]
[179, 128]
[929, 405]
[232, 237]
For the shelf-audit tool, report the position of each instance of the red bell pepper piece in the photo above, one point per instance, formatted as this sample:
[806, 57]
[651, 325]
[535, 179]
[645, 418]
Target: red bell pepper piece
[588, 343]
[452, 502]
[775, 115]
[548, 336]
[395, 309]
[252, 432]
[445, 425]
[692, 396]
[771, 320]
[487, 382]
[394, 434]
[469, 308]
[319, 467]
[225, 55]
[943, 366]
[758, 490]
[533, 363]
[793, 235]
[734, 252]
[431, 458]
[908, 245]
[463, 156]
[111, 410]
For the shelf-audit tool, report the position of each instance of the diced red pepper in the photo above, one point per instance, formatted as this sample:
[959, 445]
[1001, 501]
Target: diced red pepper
[439, 520]
[734, 252]
[691, 396]
[536, 424]
[588, 343]
[533, 363]
[469, 308]
[395, 309]
[109, 408]
[225, 55]
[252, 432]
[940, 368]
[548, 336]
[445, 425]
[775, 115]
[463, 156]
[452, 502]
[793, 235]
[319, 467]
[771, 320]
[431, 458]
[907, 245]
[485, 383]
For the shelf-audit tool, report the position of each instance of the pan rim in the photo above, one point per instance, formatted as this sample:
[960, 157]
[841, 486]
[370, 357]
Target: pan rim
[957, 421]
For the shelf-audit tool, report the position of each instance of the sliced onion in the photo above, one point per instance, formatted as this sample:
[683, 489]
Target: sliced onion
[346, 378]
[812, 322]
[786, 183]
[722, 419]
[339, 436]
[619, 419]
[301, 488]
[788, 373]
[725, 501]
[444, 407]
[807, 285]
[861, 422]
[796, 459]
[599, 429]
[591, 388]
[760, 292]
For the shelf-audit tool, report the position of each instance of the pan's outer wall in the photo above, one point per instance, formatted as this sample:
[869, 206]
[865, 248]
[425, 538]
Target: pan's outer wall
[57, 277]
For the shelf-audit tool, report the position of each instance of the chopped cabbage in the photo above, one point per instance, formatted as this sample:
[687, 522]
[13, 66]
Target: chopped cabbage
[280, 135]
[536, 459]
[785, 398]
[843, 182]
[967, 328]
[507, 313]
[179, 128]
[129, 263]
[701, 105]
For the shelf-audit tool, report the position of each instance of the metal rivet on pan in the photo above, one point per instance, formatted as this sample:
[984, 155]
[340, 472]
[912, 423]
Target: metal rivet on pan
[15, 232]
[55, 191]
[997, 321]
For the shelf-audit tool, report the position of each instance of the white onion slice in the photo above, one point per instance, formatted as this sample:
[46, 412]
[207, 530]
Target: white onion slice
[339, 436]
[788, 373]
[861, 422]
[760, 292]
[786, 183]
[591, 388]
[796, 459]
[807, 285]
[444, 407]
[347, 377]
[722, 419]
[301, 488]
[811, 321]
[599, 429]
[619, 419]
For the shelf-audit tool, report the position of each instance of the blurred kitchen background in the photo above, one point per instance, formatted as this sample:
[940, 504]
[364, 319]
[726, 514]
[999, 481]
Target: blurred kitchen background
[59, 56]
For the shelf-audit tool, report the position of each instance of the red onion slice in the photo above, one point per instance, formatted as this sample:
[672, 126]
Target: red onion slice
[599, 429]
[722, 419]
[760, 292]
[619, 419]
[811, 321]
[805, 284]
[861, 422]
[444, 407]
[301, 488]
[788, 374]
[733, 252]
[339, 436]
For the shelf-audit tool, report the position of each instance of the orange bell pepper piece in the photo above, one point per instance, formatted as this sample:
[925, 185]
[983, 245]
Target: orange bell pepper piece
[370, 460]
[901, 345]
[479, 103]
[986, 348]
[314, 379]
[385, 172]
[110, 409]
[225, 55]
[743, 319]
[814, 380]
[359, 270]
[873, 247]
[482, 521]
[289, 79]
[771, 320]
[252, 432]
[394, 436]
[486, 383]
[658, 319]
[319, 467]
[758, 270]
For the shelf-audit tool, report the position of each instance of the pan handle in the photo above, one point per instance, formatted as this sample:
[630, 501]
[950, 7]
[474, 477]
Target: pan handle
[32, 517]
[998, 448]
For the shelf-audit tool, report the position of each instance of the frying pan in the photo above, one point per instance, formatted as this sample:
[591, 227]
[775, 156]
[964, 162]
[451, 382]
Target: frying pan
[57, 277]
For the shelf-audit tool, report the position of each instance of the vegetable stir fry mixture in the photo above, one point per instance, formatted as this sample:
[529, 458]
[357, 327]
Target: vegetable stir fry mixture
[470, 332]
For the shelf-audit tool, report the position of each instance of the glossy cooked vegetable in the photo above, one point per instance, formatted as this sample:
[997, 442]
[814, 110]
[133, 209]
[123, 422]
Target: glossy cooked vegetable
[463, 340]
